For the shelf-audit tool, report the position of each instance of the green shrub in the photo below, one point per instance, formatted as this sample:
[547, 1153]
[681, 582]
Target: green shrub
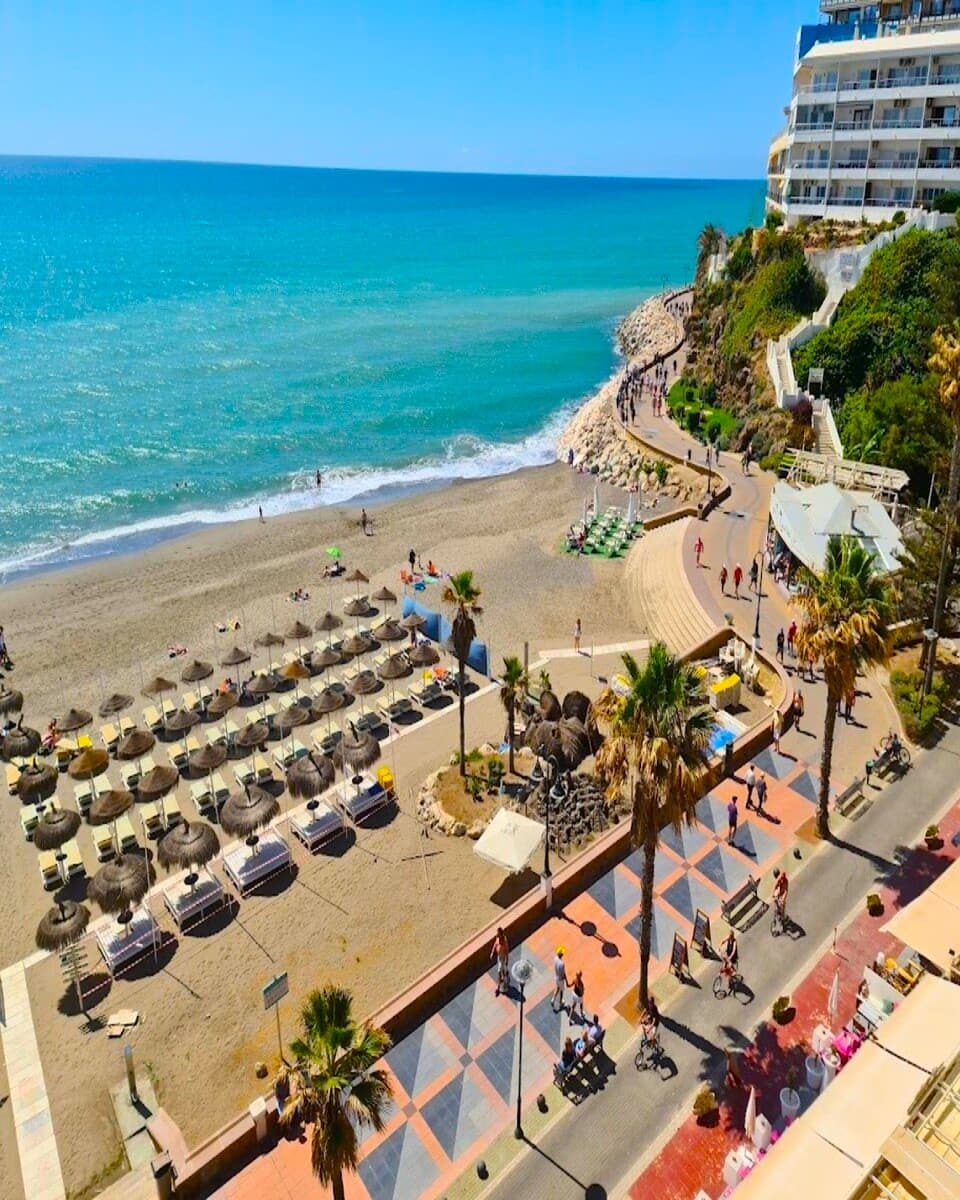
[661, 471]
[713, 429]
[704, 1103]
[906, 687]
[693, 419]
[948, 202]
[899, 218]
[771, 462]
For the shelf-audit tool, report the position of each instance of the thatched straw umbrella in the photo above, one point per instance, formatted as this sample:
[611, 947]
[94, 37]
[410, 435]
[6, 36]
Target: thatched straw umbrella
[576, 704]
[354, 645]
[246, 812]
[235, 657]
[157, 687]
[76, 718]
[207, 760]
[268, 640]
[327, 703]
[107, 807]
[424, 655]
[328, 623]
[356, 752]
[196, 671]
[158, 782]
[327, 657]
[119, 885]
[60, 929]
[21, 741]
[37, 783]
[114, 704]
[309, 777]
[135, 744]
[550, 706]
[188, 845]
[88, 765]
[359, 606]
[254, 737]
[295, 671]
[55, 828]
[389, 631]
[10, 699]
[384, 596]
[297, 632]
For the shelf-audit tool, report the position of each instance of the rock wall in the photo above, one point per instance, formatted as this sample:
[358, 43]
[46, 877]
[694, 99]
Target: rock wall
[648, 331]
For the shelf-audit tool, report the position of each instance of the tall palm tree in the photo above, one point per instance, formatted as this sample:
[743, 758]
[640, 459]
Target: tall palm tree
[334, 1084]
[463, 595]
[513, 691]
[845, 613]
[945, 360]
[656, 745]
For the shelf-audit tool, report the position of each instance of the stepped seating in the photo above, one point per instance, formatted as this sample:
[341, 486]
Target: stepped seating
[661, 598]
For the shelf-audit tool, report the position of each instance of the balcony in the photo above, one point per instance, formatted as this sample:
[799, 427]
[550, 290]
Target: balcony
[898, 123]
[942, 123]
[846, 126]
[946, 78]
[893, 164]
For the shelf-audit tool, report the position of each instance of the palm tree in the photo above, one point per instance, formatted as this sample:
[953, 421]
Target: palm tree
[656, 744]
[513, 691]
[333, 1083]
[462, 594]
[845, 613]
[945, 360]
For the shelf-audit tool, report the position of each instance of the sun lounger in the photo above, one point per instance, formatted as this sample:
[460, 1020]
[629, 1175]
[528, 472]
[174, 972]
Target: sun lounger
[72, 859]
[359, 802]
[83, 794]
[186, 904]
[326, 743]
[109, 735]
[103, 842]
[314, 826]
[150, 815]
[205, 694]
[201, 795]
[427, 693]
[126, 834]
[30, 814]
[246, 867]
[127, 725]
[244, 773]
[287, 753]
[171, 809]
[65, 749]
[401, 707]
[181, 756]
[123, 945]
[130, 773]
[215, 733]
[13, 777]
[152, 719]
[49, 870]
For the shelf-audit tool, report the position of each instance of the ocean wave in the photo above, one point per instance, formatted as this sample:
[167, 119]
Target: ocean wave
[464, 457]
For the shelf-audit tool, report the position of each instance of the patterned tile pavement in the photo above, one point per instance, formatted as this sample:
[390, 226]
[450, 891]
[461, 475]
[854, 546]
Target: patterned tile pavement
[692, 1160]
[455, 1077]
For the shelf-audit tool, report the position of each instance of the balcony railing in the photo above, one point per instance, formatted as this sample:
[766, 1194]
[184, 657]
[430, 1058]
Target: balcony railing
[893, 164]
[819, 87]
[889, 202]
[898, 123]
[859, 124]
[945, 78]
[942, 123]
[901, 81]
[845, 201]
[808, 125]
[853, 164]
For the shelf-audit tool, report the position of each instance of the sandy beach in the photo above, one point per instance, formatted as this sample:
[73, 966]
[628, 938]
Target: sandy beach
[373, 917]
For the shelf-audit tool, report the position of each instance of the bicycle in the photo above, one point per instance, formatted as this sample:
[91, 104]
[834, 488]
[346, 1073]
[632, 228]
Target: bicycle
[727, 982]
[649, 1054]
[901, 756]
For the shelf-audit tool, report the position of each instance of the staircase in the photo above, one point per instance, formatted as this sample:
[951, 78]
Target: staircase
[661, 598]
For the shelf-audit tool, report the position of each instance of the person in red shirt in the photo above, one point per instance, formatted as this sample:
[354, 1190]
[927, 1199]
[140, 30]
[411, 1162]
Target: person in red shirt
[698, 549]
[737, 580]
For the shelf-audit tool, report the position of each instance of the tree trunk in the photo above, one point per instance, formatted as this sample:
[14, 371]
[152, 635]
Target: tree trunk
[461, 679]
[826, 760]
[646, 918]
[337, 1184]
[940, 600]
[510, 717]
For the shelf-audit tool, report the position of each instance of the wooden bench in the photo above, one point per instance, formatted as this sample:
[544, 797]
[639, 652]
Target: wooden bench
[562, 1077]
[744, 907]
[849, 799]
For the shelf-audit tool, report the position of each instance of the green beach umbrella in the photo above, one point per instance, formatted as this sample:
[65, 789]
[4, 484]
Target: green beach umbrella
[334, 551]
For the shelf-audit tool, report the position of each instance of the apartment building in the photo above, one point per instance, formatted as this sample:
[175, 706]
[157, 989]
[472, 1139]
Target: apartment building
[873, 126]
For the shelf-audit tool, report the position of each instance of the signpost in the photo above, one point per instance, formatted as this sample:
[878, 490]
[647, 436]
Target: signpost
[679, 958]
[273, 993]
[701, 932]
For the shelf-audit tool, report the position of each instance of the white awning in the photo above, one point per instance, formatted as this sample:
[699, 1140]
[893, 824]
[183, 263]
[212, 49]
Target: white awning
[510, 841]
[931, 923]
[807, 518]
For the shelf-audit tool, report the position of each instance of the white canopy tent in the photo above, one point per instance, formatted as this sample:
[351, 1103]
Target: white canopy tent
[510, 841]
[931, 923]
[807, 518]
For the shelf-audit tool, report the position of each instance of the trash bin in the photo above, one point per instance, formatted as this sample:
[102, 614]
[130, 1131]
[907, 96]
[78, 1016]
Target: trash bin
[789, 1105]
[814, 1068]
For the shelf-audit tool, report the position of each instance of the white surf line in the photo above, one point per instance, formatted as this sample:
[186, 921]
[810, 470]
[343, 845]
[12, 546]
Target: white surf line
[36, 1142]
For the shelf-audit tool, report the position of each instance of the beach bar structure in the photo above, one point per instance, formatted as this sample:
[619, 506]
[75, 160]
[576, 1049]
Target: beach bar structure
[805, 519]
[888, 1126]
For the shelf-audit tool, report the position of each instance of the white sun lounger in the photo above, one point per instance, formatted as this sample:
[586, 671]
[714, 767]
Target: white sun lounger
[247, 867]
[123, 945]
[186, 904]
[315, 826]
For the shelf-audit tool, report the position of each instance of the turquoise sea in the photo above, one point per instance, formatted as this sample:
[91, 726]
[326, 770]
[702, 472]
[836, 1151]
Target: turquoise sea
[180, 342]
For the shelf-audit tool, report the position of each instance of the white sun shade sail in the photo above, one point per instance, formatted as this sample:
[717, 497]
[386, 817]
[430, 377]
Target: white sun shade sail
[510, 841]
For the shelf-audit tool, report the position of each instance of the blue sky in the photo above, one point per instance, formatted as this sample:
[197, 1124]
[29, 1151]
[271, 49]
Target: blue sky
[648, 87]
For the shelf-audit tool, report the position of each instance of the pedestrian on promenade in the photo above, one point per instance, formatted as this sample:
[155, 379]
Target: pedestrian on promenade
[780, 641]
[849, 701]
[797, 708]
[501, 952]
[737, 580]
[753, 575]
[698, 549]
[761, 792]
[751, 778]
[577, 635]
[560, 980]
[723, 580]
[792, 639]
[577, 1002]
[777, 728]
[733, 816]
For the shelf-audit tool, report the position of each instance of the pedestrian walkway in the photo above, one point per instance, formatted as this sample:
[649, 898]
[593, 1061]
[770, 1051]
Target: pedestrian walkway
[36, 1144]
[662, 599]
[455, 1077]
[692, 1161]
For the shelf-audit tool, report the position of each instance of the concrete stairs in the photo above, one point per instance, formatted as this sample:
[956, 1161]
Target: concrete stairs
[661, 597]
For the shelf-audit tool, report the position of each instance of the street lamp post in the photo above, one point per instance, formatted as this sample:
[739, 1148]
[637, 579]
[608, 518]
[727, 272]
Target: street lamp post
[521, 972]
[758, 557]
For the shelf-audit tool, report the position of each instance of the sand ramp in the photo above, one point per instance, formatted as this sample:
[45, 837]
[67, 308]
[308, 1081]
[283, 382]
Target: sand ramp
[661, 598]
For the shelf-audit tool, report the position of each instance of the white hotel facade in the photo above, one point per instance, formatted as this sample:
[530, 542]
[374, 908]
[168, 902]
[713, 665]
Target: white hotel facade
[874, 122]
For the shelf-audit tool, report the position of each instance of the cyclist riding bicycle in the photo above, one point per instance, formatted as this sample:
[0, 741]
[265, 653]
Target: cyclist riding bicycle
[781, 886]
[890, 745]
[650, 1021]
[731, 954]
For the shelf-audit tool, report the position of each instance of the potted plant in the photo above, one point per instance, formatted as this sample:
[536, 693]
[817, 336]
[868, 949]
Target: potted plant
[494, 775]
[874, 905]
[781, 1010]
[704, 1104]
[932, 837]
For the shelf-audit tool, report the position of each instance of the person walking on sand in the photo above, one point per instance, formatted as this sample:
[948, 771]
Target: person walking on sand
[737, 580]
[733, 817]
[776, 727]
[577, 635]
[364, 520]
[501, 952]
[723, 580]
[698, 549]
[577, 1002]
[260, 514]
[560, 980]
[797, 708]
[780, 641]
[751, 779]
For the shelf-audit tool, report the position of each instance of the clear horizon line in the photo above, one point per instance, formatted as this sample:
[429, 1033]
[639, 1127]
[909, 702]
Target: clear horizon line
[202, 162]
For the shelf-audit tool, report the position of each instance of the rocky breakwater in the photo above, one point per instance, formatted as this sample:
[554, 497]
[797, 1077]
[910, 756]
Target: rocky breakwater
[595, 436]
